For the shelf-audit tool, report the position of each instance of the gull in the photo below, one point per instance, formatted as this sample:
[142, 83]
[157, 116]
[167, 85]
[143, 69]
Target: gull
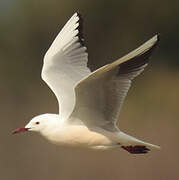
[89, 102]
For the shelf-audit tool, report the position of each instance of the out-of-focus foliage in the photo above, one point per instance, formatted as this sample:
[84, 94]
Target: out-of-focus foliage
[111, 29]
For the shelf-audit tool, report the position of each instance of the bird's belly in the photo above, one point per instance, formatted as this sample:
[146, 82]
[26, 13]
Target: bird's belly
[80, 136]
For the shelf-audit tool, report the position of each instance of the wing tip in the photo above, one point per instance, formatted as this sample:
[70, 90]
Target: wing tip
[155, 39]
[80, 34]
[158, 36]
[79, 27]
[155, 42]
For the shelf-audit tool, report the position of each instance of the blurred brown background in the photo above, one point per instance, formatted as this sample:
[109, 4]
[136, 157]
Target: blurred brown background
[111, 29]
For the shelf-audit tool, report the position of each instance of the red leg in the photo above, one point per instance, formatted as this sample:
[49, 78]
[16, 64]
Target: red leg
[138, 149]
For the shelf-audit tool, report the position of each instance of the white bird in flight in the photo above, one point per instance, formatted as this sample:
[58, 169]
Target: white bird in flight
[89, 102]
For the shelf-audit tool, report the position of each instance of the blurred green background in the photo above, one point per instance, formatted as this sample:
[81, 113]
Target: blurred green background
[111, 29]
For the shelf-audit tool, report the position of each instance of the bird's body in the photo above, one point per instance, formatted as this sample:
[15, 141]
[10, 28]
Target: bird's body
[78, 135]
[60, 132]
[89, 102]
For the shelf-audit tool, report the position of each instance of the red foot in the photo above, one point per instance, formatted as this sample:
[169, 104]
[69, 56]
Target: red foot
[136, 149]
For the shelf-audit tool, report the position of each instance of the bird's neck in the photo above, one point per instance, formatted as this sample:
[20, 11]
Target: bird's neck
[52, 127]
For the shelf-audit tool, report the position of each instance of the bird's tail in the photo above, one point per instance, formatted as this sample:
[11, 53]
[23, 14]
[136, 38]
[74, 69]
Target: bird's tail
[134, 145]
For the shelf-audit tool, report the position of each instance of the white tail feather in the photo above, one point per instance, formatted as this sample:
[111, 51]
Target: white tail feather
[128, 140]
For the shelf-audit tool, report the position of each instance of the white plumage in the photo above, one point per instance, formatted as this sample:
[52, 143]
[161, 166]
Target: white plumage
[89, 102]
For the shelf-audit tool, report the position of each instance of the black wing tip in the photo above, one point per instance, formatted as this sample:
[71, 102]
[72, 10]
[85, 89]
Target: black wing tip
[157, 37]
[80, 28]
[140, 59]
[151, 49]
[78, 14]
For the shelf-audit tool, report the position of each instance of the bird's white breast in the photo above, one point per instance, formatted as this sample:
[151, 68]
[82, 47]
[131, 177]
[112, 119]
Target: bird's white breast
[78, 135]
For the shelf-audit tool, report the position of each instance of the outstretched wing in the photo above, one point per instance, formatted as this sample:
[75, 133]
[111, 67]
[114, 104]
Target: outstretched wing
[65, 63]
[99, 96]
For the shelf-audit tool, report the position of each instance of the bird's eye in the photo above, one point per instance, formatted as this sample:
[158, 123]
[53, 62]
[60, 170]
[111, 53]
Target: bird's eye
[37, 123]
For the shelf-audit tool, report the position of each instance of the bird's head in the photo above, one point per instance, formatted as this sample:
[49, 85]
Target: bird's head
[38, 124]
